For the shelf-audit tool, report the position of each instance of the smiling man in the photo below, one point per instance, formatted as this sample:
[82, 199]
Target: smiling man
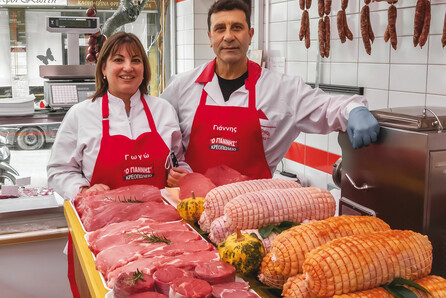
[236, 113]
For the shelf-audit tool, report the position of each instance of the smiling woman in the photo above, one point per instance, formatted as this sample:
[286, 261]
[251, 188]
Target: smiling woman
[133, 123]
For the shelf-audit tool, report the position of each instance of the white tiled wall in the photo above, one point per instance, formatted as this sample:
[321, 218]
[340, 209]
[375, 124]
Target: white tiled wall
[192, 42]
[406, 77]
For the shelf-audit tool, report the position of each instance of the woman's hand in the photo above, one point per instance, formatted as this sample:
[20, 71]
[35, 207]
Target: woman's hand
[174, 176]
[94, 189]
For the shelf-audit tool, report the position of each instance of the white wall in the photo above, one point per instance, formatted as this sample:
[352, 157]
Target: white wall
[406, 77]
[193, 47]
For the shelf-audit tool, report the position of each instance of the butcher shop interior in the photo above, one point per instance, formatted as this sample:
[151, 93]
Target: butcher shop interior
[337, 190]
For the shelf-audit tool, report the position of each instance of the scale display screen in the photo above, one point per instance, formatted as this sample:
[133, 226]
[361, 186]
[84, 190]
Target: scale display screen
[66, 94]
[73, 24]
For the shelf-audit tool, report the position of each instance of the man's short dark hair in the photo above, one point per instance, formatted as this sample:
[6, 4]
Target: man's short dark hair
[226, 5]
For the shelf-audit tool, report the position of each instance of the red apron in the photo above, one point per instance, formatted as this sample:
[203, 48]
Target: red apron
[228, 135]
[122, 161]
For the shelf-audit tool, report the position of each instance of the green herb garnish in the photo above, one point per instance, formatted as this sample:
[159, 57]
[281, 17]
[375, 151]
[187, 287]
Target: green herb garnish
[153, 238]
[397, 289]
[118, 200]
[137, 275]
[284, 225]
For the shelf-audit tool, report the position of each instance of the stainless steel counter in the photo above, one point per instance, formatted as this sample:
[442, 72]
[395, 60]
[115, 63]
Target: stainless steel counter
[30, 219]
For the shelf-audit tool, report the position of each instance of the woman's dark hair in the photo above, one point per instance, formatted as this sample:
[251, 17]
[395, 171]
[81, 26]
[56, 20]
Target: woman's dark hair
[113, 45]
[226, 5]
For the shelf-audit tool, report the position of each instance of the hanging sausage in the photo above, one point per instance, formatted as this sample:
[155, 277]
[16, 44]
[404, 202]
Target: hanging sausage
[304, 31]
[422, 22]
[366, 28]
[391, 27]
[324, 8]
[343, 30]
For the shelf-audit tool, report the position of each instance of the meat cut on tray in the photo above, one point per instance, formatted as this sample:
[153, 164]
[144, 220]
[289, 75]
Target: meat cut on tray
[194, 182]
[117, 256]
[222, 174]
[175, 232]
[150, 265]
[133, 283]
[117, 212]
[125, 203]
[164, 276]
[189, 287]
[140, 247]
[143, 193]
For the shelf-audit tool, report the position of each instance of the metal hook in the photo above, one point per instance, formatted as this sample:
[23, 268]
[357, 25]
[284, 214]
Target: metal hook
[364, 186]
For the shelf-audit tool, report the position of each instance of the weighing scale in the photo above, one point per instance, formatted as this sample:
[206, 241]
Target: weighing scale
[72, 83]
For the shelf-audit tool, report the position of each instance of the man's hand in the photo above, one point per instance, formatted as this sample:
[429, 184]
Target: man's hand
[362, 127]
[94, 189]
[174, 176]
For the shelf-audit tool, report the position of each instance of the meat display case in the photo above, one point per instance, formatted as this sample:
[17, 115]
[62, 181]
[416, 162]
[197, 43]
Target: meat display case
[89, 280]
[31, 218]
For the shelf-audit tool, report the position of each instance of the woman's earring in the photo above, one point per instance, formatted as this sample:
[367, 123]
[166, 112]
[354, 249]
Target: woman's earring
[105, 78]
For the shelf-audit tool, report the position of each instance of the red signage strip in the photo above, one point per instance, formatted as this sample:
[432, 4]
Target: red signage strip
[309, 156]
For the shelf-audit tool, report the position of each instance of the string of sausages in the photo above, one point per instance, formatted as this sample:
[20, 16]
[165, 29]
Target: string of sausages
[366, 28]
[343, 30]
[421, 25]
[422, 22]
[391, 26]
[305, 22]
[324, 8]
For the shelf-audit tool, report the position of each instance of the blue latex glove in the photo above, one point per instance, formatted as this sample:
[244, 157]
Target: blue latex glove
[362, 127]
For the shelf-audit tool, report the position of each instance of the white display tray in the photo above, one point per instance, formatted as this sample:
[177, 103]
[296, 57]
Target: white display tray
[31, 203]
[171, 195]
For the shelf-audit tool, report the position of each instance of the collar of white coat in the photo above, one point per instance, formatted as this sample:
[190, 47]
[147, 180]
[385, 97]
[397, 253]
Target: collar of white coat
[212, 87]
[134, 100]
[207, 75]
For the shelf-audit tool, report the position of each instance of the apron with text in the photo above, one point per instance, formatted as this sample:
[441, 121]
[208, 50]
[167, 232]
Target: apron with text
[228, 135]
[122, 161]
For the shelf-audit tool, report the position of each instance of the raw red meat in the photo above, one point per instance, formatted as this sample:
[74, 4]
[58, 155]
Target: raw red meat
[127, 284]
[132, 226]
[165, 275]
[219, 288]
[237, 294]
[142, 193]
[215, 272]
[149, 265]
[137, 235]
[196, 182]
[94, 219]
[222, 174]
[117, 256]
[148, 295]
[190, 287]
